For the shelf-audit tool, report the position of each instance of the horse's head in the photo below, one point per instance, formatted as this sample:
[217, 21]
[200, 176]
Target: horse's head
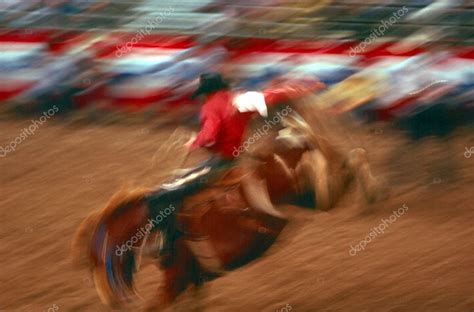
[296, 133]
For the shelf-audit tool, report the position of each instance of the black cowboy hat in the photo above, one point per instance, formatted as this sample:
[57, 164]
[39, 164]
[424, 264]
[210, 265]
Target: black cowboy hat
[208, 83]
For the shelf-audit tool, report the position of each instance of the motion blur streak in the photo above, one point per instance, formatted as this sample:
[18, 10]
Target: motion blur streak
[96, 97]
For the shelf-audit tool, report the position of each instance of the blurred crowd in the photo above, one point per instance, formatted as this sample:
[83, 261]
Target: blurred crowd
[379, 59]
[53, 13]
[322, 18]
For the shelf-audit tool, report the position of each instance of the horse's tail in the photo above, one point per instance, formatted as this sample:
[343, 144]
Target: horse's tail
[107, 242]
[80, 248]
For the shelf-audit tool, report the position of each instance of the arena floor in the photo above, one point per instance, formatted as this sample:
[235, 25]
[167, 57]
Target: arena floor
[424, 260]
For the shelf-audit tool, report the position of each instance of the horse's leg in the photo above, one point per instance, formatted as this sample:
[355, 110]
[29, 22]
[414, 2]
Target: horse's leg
[313, 168]
[360, 167]
[177, 278]
[282, 166]
[256, 193]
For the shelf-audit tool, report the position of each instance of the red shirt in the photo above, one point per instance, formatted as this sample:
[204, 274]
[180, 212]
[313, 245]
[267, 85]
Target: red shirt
[223, 126]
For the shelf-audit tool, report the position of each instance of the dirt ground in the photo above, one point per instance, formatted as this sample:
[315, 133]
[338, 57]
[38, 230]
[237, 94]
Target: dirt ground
[424, 260]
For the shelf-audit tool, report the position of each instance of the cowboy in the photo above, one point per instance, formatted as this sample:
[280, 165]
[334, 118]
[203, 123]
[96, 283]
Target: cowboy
[225, 117]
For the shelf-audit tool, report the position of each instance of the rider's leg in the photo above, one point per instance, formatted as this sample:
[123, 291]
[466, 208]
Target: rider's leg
[257, 194]
[170, 234]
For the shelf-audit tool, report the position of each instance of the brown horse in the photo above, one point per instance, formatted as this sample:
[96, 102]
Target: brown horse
[220, 230]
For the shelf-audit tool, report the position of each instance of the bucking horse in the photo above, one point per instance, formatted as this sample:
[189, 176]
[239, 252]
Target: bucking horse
[219, 229]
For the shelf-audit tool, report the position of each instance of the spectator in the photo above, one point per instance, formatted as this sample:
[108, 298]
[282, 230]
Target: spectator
[70, 11]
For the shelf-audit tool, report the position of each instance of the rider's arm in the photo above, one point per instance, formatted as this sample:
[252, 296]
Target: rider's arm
[210, 126]
[289, 92]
